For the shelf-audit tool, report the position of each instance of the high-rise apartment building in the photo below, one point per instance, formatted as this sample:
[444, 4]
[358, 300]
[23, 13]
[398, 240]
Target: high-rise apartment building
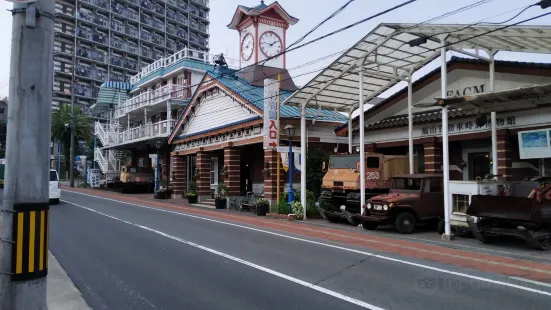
[114, 39]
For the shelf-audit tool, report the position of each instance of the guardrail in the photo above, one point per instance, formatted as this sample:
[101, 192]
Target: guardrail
[151, 98]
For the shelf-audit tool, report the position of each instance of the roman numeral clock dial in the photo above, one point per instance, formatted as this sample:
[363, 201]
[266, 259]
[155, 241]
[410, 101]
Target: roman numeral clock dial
[270, 44]
[247, 46]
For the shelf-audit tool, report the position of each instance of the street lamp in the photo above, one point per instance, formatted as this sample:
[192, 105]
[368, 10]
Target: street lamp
[290, 131]
[158, 145]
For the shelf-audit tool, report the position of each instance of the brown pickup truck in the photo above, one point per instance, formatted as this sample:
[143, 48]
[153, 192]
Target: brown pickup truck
[413, 198]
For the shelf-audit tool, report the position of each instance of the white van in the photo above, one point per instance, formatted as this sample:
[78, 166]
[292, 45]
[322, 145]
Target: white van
[55, 190]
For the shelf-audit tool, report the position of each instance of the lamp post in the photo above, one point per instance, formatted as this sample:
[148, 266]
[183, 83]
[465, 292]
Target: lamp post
[158, 145]
[290, 131]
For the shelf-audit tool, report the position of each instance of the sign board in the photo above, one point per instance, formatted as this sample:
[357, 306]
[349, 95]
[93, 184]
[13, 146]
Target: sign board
[94, 177]
[271, 114]
[534, 143]
[285, 149]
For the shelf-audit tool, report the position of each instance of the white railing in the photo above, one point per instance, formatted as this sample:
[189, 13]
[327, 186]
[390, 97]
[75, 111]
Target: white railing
[100, 159]
[114, 163]
[164, 62]
[101, 134]
[149, 131]
[151, 98]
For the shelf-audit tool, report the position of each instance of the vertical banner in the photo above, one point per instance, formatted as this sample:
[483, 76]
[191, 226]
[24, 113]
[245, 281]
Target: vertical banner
[271, 115]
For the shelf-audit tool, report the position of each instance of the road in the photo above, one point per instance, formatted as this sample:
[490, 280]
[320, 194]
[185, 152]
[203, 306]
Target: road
[123, 256]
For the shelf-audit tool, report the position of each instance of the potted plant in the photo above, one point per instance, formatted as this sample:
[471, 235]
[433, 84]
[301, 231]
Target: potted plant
[192, 192]
[262, 207]
[220, 196]
[266, 170]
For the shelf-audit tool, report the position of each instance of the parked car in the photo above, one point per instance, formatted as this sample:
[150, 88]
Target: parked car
[55, 190]
[413, 198]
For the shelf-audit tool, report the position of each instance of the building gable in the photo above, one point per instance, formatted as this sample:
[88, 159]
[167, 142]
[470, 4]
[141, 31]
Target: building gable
[216, 109]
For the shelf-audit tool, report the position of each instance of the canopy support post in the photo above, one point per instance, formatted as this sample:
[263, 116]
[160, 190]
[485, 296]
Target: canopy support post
[445, 143]
[303, 142]
[362, 140]
[350, 131]
[410, 121]
[493, 117]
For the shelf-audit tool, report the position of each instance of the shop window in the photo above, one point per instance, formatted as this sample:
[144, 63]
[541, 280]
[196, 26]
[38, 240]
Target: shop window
[460, 203]
[214, 171]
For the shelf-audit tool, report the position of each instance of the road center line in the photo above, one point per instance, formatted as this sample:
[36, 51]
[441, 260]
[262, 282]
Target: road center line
[241, 261]
[459, 274]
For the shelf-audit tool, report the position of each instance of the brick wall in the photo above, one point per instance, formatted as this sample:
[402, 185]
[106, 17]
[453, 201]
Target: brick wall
[203, 175]
[433, 157]
[179, 181]
[232, 161]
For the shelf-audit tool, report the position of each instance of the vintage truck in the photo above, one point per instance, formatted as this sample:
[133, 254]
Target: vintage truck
[340, 190]
[133, 180]
[413, 198]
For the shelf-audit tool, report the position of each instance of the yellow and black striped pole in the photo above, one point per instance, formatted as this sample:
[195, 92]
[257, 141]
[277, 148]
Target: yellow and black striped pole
[30, 233]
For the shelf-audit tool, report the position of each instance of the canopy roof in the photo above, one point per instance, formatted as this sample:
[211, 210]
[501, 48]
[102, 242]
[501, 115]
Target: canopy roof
[387, 57]
[503, 100]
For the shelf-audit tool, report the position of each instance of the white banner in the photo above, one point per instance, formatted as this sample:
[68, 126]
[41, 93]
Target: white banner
[271, 108]
[285, 161]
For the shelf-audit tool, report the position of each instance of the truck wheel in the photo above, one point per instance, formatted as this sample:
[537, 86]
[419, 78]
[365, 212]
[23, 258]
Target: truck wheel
[405, 223]
[369, 225]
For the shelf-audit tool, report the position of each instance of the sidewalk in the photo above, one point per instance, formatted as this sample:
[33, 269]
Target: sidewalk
[525, 267]
[61, 292]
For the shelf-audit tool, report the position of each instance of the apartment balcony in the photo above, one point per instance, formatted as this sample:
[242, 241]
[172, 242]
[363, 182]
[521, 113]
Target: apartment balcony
[146, 36]
[128, 13]
[102, 4]
[64, 9]
[116, 77]
[152, 98]
[91, 54]
[159, 40]
[146, 52]
[97, 74]
[132, 31]
[94, 18]
[87, 91]
[91, 35]
[204, 3]
[159, 24]
[145, 132]
[203, 28]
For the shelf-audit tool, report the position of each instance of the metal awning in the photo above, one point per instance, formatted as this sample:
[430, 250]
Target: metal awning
[504, 100]
[386, 57]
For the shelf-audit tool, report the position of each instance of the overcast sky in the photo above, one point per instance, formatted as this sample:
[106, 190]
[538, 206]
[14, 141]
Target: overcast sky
[311, 12]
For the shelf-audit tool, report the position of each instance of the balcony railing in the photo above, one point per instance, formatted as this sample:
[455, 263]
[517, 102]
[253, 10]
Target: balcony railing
[97, 19]
[149, 131]
[202, 2]
[151, 98]
[167, 61]
[104, 4]
[92, 35]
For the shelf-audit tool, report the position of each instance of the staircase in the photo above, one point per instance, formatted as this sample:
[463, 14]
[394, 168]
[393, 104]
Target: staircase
[108, 162]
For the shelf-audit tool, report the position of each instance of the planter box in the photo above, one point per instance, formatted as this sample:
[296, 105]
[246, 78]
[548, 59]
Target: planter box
[220, 203]
[262, 210]
[192, 199]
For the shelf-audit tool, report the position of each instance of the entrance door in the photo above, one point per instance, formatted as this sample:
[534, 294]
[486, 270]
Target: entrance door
[213, 172]
[479, 165]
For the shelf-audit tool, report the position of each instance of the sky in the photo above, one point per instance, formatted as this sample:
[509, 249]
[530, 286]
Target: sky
[311, 12]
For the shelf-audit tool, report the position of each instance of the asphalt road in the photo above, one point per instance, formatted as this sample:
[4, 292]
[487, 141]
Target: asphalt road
[130, 257]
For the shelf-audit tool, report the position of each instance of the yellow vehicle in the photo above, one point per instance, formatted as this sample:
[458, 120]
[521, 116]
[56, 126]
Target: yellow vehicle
[136, 175]
[340, 190]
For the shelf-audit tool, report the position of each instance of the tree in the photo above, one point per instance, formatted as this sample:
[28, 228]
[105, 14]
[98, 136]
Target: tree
[61, 129]
[314, 163]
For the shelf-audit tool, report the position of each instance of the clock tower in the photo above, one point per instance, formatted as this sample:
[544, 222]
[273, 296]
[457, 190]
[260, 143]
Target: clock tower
[262, 33]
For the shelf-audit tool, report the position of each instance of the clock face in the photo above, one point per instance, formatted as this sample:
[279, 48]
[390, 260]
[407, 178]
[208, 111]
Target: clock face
[247, 46]
[270, 44]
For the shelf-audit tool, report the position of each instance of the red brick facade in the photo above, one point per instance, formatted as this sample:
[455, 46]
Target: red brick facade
[433, 157]
[232, 162]
[179, 175]
[203, 174]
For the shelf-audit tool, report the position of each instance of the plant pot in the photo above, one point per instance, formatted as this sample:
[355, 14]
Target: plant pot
[192, 199]
[262, 210]
[220, 203]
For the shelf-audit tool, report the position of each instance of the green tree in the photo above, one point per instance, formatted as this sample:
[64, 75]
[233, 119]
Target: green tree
[314, 171]
[61, 129]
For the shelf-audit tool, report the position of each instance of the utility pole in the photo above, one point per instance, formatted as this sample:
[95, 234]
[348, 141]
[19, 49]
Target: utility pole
[73, 125]
[24, 216]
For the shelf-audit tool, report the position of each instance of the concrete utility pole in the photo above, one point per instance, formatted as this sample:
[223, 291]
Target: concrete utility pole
[73, 124]
[24, 216]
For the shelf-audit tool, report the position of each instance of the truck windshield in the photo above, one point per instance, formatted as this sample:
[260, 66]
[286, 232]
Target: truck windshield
[406, 184]
[341, 162]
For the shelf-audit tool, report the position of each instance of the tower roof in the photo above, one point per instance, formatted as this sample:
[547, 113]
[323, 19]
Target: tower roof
[258, 10]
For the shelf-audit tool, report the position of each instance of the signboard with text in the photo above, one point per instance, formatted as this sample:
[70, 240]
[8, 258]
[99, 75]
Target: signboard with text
[271, 109]
[94, 177]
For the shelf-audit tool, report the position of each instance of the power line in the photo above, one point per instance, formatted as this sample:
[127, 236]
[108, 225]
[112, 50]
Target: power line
[323, 22]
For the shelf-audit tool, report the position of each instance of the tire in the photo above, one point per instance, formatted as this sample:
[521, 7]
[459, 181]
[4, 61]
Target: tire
[54, 201]
[369, 225]
[405, 223]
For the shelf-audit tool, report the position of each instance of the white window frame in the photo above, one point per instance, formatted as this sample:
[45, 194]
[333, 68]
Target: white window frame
[213, 171]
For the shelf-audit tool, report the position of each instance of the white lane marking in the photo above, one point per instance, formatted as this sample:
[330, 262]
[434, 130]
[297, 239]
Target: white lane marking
[459, 274]
[239, 260]
[531, 281]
